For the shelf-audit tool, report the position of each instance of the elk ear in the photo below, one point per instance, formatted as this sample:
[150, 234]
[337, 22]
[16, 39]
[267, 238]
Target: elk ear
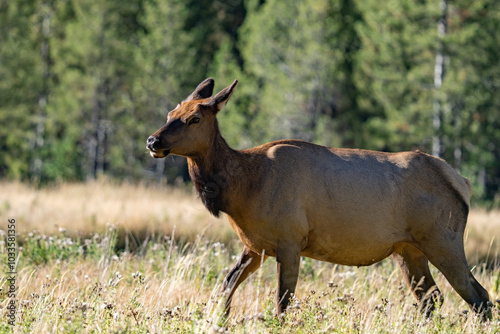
[220, 100]
[203, 91]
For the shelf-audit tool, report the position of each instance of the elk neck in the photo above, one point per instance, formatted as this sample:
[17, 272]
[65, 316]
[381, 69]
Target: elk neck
[215, 173]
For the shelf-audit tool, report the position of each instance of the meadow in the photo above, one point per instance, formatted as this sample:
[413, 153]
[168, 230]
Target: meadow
[108, 257]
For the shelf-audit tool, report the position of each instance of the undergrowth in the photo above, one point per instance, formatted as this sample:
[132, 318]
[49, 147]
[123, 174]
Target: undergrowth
[73, 285]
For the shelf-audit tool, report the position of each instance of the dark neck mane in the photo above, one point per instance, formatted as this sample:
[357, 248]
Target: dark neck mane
[209, 172]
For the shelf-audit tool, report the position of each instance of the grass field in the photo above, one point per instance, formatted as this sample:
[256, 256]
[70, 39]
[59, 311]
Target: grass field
[117, 258]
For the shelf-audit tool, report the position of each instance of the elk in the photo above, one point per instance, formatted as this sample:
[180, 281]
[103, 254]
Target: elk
[291, 198]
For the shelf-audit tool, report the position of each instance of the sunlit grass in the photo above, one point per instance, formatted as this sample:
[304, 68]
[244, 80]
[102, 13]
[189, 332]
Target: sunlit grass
[85, 286]
[84, 209]
[77, 278]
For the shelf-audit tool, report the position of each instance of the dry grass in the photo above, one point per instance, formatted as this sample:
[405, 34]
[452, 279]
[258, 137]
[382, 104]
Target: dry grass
[84, 209]
[85, 286]
[482, 236]
[174, 289]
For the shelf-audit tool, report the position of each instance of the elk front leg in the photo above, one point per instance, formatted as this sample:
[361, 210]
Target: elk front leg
[288, 263]
[248, 262]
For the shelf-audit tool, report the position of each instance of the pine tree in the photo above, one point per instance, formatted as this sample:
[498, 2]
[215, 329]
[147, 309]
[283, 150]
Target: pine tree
[396, 71]
[286, 47]
[19, 87]
[473, 122]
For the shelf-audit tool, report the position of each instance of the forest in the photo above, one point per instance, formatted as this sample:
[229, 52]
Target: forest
[83, 83]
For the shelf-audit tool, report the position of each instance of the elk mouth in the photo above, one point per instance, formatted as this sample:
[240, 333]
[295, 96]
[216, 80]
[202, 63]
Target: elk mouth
[158, 154]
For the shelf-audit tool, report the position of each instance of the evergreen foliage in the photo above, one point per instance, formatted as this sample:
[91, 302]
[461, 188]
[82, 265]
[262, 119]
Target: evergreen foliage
[84, 83]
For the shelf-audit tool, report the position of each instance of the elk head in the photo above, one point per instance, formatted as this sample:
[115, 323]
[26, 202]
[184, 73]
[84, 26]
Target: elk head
[191, 126]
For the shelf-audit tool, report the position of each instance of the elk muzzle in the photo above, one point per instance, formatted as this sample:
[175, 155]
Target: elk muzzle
[154, 145]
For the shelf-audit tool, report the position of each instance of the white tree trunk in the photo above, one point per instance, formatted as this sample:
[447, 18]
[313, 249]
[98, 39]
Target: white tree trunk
[439, 71]
[37, 163]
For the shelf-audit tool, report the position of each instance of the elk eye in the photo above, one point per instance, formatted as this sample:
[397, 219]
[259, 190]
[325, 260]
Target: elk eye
[194, 120]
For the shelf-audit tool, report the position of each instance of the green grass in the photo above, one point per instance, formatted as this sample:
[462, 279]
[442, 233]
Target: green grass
[71, 285]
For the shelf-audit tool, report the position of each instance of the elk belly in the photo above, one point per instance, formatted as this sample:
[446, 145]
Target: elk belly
[346, 251]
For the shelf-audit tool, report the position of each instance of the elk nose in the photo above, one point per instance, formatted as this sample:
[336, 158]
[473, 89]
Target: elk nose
[152, 142]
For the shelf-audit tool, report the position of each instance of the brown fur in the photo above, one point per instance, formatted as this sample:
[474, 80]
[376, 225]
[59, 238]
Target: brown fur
[292, 198]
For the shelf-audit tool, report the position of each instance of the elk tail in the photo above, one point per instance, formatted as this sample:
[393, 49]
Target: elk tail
[457, 182]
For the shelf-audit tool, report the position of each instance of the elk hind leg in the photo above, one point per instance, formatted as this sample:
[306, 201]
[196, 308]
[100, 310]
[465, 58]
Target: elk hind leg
[449, 257]
[415, 269]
